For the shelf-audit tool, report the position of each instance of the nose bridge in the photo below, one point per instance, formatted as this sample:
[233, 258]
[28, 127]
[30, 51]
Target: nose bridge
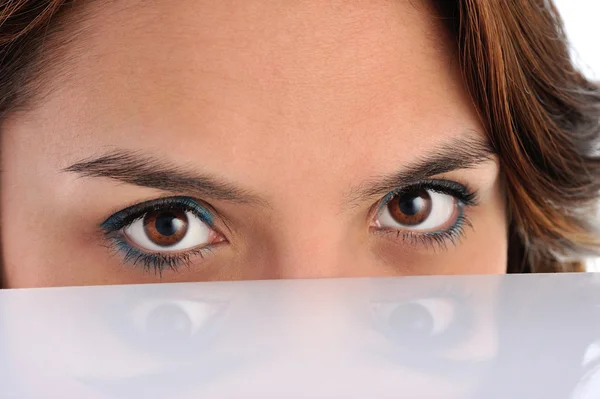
[309, 233]
[311, 245]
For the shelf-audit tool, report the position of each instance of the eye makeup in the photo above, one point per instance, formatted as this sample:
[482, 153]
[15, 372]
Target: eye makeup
[436, 239]
[128, 215]
[114, 228]
[155, 261]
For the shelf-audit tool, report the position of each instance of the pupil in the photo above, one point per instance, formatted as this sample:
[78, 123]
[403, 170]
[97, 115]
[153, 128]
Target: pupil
[411, 204]
[167, 224]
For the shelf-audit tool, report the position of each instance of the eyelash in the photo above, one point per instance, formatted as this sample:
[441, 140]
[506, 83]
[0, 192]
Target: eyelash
[464, 317]
[439, 239]
[156, 262]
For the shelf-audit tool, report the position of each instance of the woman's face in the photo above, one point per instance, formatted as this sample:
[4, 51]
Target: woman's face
[204, 140]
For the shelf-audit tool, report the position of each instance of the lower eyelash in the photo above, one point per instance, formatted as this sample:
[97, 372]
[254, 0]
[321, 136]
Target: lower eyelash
[155, 262]
[435, 240]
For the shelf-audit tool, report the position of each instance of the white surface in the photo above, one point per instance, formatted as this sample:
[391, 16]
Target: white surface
[467, 337]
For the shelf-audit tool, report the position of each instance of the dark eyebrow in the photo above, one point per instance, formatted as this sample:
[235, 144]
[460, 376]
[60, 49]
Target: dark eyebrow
[147, 171]
[460, 153]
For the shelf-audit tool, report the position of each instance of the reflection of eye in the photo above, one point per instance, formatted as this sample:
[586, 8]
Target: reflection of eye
[168, 230]
[426, 324]
[172, 345]
[173, 319]
[420, 210]
[431, 330]
[417, 319]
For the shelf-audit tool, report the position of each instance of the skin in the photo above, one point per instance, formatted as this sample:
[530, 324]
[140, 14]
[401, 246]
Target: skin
[302, 106]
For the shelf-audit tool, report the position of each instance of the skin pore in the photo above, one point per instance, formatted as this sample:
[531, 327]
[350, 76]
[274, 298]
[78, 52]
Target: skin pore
[283, 126]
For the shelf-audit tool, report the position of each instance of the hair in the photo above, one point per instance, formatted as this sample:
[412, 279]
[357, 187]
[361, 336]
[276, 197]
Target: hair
[541, 115]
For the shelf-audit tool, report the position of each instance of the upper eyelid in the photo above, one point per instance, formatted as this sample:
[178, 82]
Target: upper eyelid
[208, 213]
[140, 209]
[378, 207]
[434, 185]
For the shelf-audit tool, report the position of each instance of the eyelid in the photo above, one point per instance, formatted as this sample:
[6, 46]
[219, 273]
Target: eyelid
[460, 191]
[465, 195]
[113, 230]
[132, 213]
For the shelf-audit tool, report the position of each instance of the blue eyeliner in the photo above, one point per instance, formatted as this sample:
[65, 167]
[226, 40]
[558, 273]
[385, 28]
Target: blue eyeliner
[133, 213]
[113, 227]
[157, 262]
[465, 197]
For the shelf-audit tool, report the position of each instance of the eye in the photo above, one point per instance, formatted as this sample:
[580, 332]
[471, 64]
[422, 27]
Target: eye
[176, 319]
[163, 232]
[419, 209]
[175, 327]
[427, 324]
[169, 230]
[418, 319]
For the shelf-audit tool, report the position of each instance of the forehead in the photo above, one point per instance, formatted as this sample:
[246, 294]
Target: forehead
[240, 86]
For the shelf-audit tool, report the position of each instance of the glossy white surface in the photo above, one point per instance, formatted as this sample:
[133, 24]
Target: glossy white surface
[528, 336]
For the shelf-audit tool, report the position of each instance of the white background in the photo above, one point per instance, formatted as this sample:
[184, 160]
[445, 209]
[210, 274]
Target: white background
[582, 23]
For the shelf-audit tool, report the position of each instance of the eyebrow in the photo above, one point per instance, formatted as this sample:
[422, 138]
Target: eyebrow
[459, 153]
[147, 171]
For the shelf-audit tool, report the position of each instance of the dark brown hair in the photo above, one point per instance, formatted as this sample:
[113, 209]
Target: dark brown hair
[542, 116]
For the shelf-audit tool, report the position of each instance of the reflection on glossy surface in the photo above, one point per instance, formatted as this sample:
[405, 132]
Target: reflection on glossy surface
[510, 336]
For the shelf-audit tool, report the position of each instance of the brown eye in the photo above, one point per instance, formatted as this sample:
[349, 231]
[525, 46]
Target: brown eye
[419, 210]
[165, 228]
[410, 209]
[170, 231]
